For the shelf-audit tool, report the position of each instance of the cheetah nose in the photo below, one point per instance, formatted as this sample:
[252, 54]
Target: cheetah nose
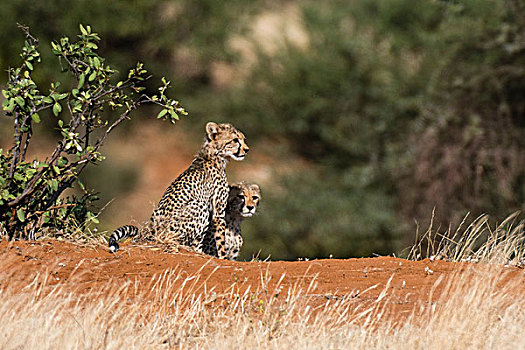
[246, 149]
[249, 207]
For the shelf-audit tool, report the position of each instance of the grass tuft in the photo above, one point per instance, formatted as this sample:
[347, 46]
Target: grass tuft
[502, 244]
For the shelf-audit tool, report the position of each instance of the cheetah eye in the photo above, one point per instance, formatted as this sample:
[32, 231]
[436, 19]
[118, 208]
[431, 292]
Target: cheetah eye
[240, 196]
[255, 198]
[235, 140]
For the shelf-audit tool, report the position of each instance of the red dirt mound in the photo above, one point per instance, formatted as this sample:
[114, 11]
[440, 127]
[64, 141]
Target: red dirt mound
[83, 269]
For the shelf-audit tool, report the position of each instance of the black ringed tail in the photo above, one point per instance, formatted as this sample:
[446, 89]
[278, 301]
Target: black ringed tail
[121, 233]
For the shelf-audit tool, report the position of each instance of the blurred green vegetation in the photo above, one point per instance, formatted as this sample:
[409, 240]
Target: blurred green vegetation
[394, 107]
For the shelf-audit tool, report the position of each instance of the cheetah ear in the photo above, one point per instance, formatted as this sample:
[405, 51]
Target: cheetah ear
[212, 129]
[256, 187]
[234, 186]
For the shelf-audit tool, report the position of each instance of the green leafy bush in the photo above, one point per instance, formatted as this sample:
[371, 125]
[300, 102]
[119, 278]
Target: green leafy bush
[344, 104]
[313, 215]
[468, 145]
[398, 107]
[30, 191]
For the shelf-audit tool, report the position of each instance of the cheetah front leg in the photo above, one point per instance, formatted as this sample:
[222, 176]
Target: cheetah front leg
[219, 232]
[218, 221]
[235, 248]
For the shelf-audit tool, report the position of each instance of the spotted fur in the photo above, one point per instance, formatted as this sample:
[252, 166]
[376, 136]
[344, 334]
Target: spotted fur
[196, 201]
[243, 201]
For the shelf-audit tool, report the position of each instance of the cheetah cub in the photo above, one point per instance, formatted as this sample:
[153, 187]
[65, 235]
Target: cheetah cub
[243, 200]
[196, 200]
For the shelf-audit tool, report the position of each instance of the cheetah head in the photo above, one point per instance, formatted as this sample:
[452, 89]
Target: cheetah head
[227, 141]
[244, 199]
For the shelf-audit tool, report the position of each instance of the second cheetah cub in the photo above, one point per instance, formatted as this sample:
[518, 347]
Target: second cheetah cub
[243, 200]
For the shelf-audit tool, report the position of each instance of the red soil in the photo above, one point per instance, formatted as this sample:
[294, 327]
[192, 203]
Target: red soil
[408, 284]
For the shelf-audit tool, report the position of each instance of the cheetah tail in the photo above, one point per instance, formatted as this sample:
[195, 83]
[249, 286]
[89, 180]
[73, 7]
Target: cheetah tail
[121, 233]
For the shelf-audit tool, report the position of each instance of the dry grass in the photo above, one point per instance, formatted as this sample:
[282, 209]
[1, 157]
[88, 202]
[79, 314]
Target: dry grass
[478, 309]
[86, 236]
[503, 244]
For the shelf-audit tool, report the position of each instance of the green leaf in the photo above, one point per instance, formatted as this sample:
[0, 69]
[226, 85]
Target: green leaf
[81, 79]
[62, 161]
[173, 115]
[162, 113]
[82, 29]
[30, 172]
[54, 185]
[47, 100]
[29, 65]
[92, 76]
[5, 93]
[10, 106]
[20, 214]
[57, 108]
[96, 62]
[35, 117]
[60, 123]
[20, 101]
[92, 217]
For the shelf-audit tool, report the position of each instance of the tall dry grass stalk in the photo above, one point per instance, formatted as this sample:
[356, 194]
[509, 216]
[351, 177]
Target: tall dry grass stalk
[476, 310]
[477, 242]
